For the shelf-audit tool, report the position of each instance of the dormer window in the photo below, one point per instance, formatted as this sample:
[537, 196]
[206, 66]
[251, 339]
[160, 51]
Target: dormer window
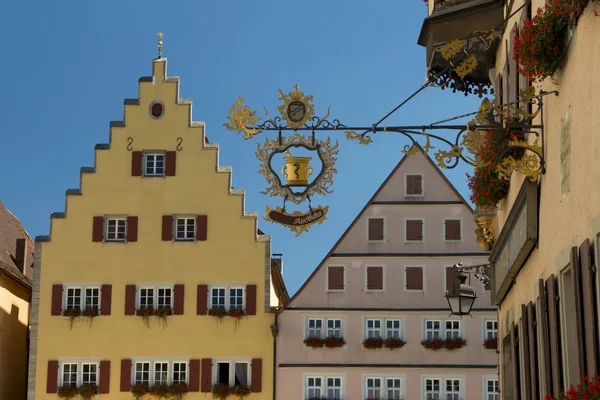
[154, 164]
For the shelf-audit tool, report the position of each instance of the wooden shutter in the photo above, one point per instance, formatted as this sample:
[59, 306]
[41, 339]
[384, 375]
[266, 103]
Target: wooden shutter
[413, 184]
[256, 375]
[202, 227]
[170, 163]
[104, 377]
[125, 375]
[533, 350]
[515, 362]
[136, 163]
[452, 229]
[576, 278]
[376, 229]
[178, 299]
[132, 229]
[526, 364]
[105, 305]
[414, 278]
[251, 299]
[335, 278]
[167, 228]
[451, 275]
[194, 385]
[375, 278]
[206, 380]
[542, 318]
[98, 229]
[589, 301]
[57, 295]
[553, 336]
[414, 229]
[202, 300]
[52, 380]
[130, 299]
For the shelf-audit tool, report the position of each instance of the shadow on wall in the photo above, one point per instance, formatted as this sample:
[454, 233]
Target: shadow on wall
[13, 355]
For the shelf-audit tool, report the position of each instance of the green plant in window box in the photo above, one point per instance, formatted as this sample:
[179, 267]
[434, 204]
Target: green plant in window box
[139, 390]
[178, 390]
[68, 392]
[217, 312]
[72, 313]
[145, 313]
[88, 390]
[162, 313]
[220, 390]
[90, 313]
[240, 391]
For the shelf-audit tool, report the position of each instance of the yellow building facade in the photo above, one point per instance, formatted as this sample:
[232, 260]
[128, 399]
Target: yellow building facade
[154, 228]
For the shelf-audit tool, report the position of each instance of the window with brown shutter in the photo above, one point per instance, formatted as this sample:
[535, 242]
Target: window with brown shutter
[542, 325]
[167, 228]
[376, 229]
[178, 299]
[130, 299]
[98, 229]
[251, 299]
[375, 278]
[335, 278]
[136, 163]
[52, 377]
[125, 375]
[414, 278]
[104, 377]
[57, 295]
[194, 379]
[515, 367]
[589, 302]
[202, 300]
[256, 381]
[525, 364]
[132, 228]
[452, 229]
[533, 349]
[414, 230]
[202, 227]
[106, 298]
[576, 279]
[206, 380]
[170, 163]
[554, 335]
[414, 185]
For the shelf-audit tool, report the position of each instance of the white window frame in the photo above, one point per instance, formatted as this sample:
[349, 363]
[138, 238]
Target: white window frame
[334, 386]
[227, 297]
[154, 153]
[385, 328]
[439, 393]
[334, 328]
[424, 272]
[383, 319]
[406, 185]
[384, 229]
[452, 391]
[82, 296]
[314, 328]
[486, 330]
[232, 362]
[152, 368]
[486, 393]
[367, 279]
[327, 279]
[155, 365]
[323, 388]
[453, 329]
[155, 288]
[324, 324]
[442, 320]
[432, 329]
[461, 229]
[384, 384]
[80, 362]
[186, 372]
[177, 217]
[374, 329]
[107, 219]
[422, 219]
[442, 379]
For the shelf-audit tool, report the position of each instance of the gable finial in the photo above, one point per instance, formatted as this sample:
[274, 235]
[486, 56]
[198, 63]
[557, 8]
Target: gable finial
[159, 44]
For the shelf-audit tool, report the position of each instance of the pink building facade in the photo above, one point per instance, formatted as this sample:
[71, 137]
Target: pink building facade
[384, 279]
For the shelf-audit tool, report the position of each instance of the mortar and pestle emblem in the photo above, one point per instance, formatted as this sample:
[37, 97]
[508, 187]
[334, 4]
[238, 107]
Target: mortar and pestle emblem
[297, 171]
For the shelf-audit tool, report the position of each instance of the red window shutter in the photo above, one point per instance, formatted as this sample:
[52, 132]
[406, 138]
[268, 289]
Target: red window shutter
[105, 304]
[526, 365]
[544, 342]
[125, 375]
[414, 229]
[132, 229]
[98, 229]
[167, 228]
[413, 184]
[335, 279]
[52, 380]
[251, 299]
[452, 229]
[194, 385]
[178, 299]
[57, 294]
[576, 277]
[256, 375]
[376, 229]
[136, 163]
[170, 163]
[206, 380]
[130, 299]
[589, 309]
[414, 278]
[104, 376]
[202, 300]
[533, 349]
[450, 277]
[202, 227]
[375, 278]
[553, 336]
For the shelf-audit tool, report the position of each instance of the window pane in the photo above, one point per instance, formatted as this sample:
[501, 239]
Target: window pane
[179, 372]
[89, 373]
[373, 328]
[147, 298]
[142, 373]
[392, 329]
[164, 297]
[315, 328]
[223, 373]
[218, 298]
[186, 228]
[241, 374]
[92, 297]
[161, 373]
[73, 298]
[314, 387]
[236, 298]
[334, 328]
[70, 375]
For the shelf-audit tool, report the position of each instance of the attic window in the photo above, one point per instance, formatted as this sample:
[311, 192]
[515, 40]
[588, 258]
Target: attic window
[157, 109]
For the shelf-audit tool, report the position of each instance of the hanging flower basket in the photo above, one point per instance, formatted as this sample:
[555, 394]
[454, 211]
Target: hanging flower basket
[393, 343]
[68, 392]
[314, 342]
[72, 313]
[334, 342]
[162, 313]
[373, 343]
[217, 312]
[588, 389]
[453, 344]
[240, 391]
[90, 313]
[139, 390]
[491, 344]
[88, 390]
[433, 344]
[145, 313]
[220, 390]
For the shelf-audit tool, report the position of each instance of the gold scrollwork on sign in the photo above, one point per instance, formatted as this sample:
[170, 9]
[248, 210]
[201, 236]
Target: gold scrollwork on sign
[443, 156]
[452, 48]
[352, 135]
[467, 66]
[297, 221]
[296, 108]
[240, 118]
[529, 166]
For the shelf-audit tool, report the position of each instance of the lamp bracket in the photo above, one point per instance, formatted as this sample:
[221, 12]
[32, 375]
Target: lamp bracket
[479, 272]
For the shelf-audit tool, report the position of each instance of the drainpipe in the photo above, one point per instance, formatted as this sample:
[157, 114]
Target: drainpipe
[275, 333]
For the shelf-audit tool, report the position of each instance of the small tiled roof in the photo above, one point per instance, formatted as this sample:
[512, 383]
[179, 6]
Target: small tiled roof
[11, 230]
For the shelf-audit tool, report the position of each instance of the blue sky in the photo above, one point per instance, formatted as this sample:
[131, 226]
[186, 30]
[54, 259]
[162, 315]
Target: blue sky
[68, 65]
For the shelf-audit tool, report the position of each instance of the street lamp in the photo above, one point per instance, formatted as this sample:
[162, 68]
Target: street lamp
[461, 296]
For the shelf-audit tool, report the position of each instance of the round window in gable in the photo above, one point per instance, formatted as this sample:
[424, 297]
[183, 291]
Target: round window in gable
[157, 109]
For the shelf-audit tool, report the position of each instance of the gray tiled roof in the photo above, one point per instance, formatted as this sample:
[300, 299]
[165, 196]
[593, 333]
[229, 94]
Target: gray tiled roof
[11, 230]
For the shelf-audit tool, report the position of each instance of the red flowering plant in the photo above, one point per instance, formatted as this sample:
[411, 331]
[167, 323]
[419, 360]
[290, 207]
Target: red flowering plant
[145, 313]
[588, 389]
[220, 390]
[72, 313]
[160, 391]
[542, 42]
[217, 312]
[491, 343]
[237, 313]
[90, 313]
[454, 343]
[393, 343]
[332, 342]
[177, 390]
[373, 343]
[240, 391]
[88, 390]
[162, 313]
[314, 342]
[433, 344]
[68, 392]
[139, 390]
